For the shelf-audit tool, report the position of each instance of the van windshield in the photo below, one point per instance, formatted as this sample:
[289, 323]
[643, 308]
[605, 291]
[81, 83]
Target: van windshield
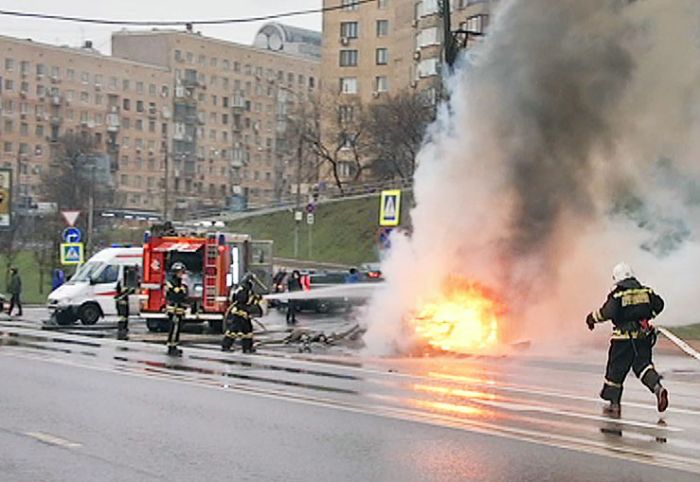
[86, 271]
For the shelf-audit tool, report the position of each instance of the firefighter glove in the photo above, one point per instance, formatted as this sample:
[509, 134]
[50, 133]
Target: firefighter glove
[590, 321]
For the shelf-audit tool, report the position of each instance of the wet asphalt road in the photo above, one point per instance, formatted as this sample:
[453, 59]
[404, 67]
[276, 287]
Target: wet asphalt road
[82, 408]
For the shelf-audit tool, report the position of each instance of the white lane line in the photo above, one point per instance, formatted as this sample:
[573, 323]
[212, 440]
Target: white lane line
[679, 343]
[47, 438]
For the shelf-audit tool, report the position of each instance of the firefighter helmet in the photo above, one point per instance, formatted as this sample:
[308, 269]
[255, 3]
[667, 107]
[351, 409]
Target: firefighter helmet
[247, 280]
[622, 271]
[177, 267]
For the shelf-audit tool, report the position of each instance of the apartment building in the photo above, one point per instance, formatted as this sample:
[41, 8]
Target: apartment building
[372, 49]
[47, 91]
[172, 111]
[230, 103]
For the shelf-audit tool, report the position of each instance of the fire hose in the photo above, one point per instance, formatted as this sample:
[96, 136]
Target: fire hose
[679, 343]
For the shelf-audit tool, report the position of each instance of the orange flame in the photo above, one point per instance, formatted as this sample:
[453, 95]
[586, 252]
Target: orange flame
[464, 318]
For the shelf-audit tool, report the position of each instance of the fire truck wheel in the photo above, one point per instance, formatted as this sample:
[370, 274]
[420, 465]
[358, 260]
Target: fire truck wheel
[89, 313]
[157, 326]
[216, 326]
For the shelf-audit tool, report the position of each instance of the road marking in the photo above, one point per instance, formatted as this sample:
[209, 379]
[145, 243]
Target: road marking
[47, 438]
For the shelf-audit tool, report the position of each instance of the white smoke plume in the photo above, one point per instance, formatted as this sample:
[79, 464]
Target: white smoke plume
[569, 143]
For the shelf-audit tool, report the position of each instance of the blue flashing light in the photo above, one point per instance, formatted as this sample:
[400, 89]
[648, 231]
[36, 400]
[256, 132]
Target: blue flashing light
[146, 237]
[222, 239]
[118, 245]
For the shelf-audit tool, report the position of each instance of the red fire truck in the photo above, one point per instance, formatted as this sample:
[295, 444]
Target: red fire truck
[215, 263]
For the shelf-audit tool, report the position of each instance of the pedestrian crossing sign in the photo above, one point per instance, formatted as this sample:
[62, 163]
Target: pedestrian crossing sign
[72, 253]
[390, 208]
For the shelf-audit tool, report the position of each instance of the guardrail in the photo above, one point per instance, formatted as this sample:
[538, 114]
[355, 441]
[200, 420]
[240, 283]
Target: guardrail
[328, 194]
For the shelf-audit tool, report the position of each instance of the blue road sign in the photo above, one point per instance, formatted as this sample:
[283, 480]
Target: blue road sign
[71, 235]
[72, 253]
[390, 208]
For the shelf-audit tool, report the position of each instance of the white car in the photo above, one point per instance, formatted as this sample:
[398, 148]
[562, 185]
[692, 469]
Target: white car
[89, 294]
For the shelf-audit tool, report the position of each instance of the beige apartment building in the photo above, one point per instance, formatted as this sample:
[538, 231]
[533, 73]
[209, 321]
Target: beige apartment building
[172, 111]
[230, 103]
[47, 91]
[372, 49]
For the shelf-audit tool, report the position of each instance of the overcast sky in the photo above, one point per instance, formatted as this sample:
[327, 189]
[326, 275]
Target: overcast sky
[74, 34]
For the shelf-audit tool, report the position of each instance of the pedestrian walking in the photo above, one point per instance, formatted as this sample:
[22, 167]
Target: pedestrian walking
[15, 290]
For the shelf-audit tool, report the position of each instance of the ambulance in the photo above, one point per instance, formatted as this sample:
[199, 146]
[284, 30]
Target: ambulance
[215, 262]
[89, 294]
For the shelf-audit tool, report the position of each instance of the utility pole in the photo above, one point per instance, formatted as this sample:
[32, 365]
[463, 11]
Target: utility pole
[165, 183]
[449, 47]
[91, 208]
[300, 150]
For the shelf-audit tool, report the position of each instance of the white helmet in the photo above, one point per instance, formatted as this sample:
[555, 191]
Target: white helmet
[622, 271]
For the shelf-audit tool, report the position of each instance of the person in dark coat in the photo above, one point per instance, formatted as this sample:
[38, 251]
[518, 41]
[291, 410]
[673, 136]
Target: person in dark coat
[15, 290]
[293, 284]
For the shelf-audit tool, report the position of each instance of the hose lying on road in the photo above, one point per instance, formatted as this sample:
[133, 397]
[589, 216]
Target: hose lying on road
[679, 343]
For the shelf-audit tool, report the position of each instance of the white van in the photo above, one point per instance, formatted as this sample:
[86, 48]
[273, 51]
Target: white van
[89, 294]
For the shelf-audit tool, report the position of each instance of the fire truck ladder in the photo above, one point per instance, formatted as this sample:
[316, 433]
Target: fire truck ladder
[210, 270]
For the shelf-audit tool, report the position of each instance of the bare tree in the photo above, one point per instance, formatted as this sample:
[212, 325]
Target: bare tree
[332, 128]
[78, 172]
[396, 127]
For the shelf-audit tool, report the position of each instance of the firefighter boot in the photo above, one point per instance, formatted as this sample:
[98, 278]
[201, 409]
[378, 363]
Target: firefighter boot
[247, 344]
[661, 397]
[613, 410]
[174, 351]
[122, 330]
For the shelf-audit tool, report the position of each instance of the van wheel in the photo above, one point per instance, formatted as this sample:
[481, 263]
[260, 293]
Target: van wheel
[89, 314]
[64, 318]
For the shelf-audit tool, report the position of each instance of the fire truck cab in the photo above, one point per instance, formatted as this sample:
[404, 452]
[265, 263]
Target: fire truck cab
[215, 263]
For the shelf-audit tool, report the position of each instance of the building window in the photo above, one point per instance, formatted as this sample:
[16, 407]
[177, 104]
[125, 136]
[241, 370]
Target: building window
[382, 56]
[382, 28]
[381, 84]
[9, 65]
[85, 77]
[70, 74]
[84, 97]
[349, 30]
[125, 85]
[40, 70]
[126, 104]
[382, 4]
[348, 58]
[348, 85]
[7, 147]
[346, 114]
[139, 87]
[350, 5]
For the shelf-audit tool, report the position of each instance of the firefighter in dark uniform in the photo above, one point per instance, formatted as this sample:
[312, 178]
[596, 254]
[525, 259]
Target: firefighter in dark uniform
[126, 287]
[630, 306]
[176, 301]
[245, 304]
